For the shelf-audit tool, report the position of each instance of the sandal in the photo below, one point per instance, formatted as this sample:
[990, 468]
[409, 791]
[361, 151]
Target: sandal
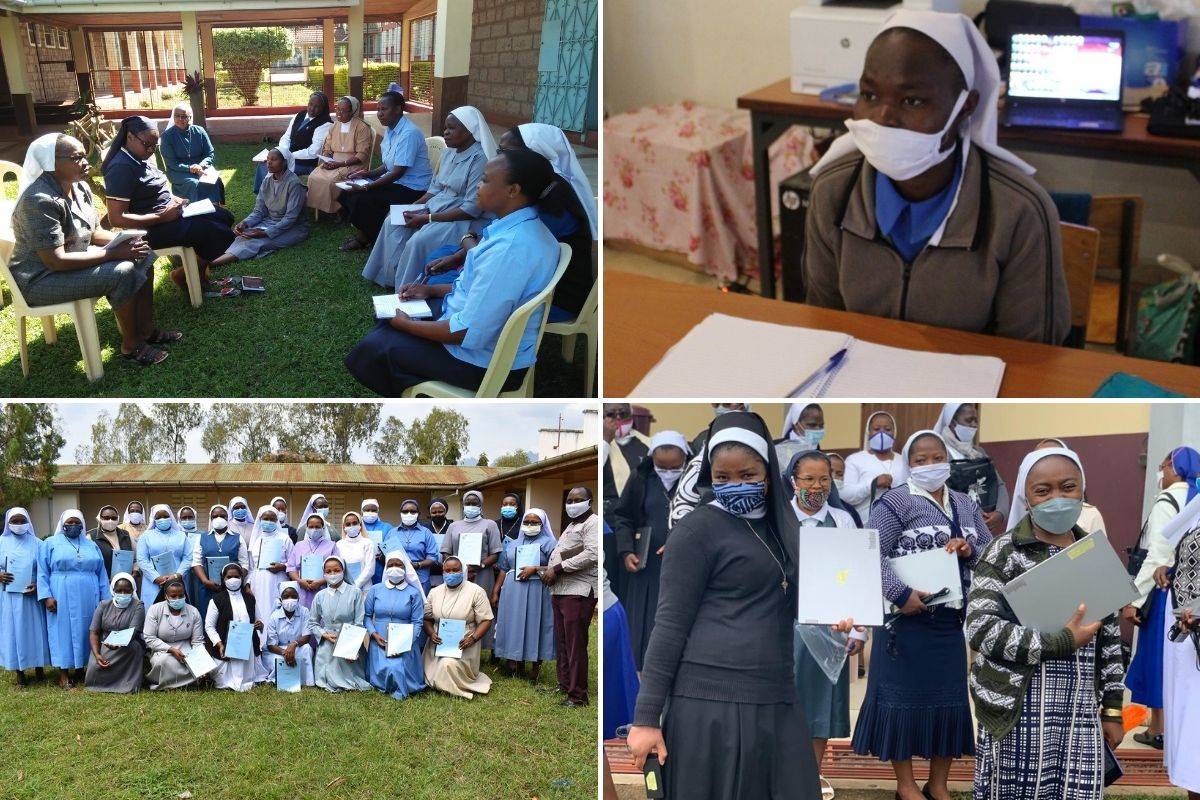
[146, 355]
[1147, 739]
[228, 291]
[164, 337]
[827, 792]
[352, 244]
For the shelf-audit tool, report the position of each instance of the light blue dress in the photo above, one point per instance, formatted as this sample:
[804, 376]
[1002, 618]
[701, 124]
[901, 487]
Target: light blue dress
[23, 643]
[181, 149]
[525, 618]
[281, 631]
[152, 543]
[330, 609]
[72, 572]
[418, 543]
[404, 674]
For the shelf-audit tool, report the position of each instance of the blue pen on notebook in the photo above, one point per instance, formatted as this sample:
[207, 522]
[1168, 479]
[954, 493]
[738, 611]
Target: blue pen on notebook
[829, 366]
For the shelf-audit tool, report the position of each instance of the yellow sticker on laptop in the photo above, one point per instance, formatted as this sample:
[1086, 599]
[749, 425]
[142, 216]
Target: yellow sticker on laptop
[1080, 549]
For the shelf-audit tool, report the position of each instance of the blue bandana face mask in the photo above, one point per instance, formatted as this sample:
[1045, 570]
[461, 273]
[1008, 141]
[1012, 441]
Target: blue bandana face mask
[741, 498]
[72, 530]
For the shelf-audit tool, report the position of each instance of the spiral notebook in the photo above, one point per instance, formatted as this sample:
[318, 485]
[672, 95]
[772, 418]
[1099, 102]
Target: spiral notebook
[728, 356]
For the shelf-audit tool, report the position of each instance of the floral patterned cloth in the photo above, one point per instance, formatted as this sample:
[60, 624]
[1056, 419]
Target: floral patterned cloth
[681, 178]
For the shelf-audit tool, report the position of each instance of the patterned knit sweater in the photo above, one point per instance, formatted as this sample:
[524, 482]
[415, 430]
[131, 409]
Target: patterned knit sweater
[1007, 652]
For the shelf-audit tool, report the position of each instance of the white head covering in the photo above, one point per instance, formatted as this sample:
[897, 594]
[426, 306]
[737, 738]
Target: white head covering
[867, 429]
[62, 519]
[410, 572]
[908, 444]
[1182, 522]
[945, 427]
[185, 107]
[552, 143]
[741, 436]
[959, 37]
[1019, 508]
[170, 515]
[278, 605]
[145, 517]
[123, 576]
[473, 121]
[793, 416]
[302, 530]
[353, 101]
[39, 158]
[669, 439]
[476, 493]
[256, 533]
[308, 508]
[547, 530]
[273, 501]
[213, 508]
[12, 512]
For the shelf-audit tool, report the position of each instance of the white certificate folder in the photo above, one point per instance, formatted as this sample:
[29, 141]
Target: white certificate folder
[839, 576]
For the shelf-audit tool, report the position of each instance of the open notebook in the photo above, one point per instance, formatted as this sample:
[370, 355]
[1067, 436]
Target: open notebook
[387, 304]
[728, 356]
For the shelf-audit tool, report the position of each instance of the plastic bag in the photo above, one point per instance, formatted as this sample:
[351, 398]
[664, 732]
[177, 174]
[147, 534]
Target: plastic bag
[826, 646]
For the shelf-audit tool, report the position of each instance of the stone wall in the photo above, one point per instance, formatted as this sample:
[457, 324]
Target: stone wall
[505, 40]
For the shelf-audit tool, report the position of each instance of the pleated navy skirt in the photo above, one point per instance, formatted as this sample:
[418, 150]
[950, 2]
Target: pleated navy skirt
[916, 703]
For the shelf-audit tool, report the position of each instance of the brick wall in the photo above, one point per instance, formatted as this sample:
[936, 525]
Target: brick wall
[52, 82]
[505, 39]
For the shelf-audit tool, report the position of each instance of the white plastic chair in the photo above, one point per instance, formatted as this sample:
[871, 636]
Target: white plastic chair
[435, 146]
[83, 313]
[186, 255]
[586, 324]
[506, 348]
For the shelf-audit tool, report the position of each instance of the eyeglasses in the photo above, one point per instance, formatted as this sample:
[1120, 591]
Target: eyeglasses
[78, 158]
[151, 146]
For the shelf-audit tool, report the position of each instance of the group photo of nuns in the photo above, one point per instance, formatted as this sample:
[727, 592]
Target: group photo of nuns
[152, 597]
[718, 691]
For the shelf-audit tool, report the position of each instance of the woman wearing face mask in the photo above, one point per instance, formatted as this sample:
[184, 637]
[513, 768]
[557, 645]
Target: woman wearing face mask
[316, 542]
[439, 526]
[1090, 518]
[241, 521]
[720, 656]
[1046, 701]
[134, 520]
[473, 520]
[457, 599]
[356, 549]
[510, 516]
[571, 575]
[266, 576]
[281, 516]
[372, 523]
[109, 535]
[398, 599]
[287, 637]
[876, 468]
[917, 213]
[916, 702]
[117, 669]
[191, 581]
[338, 603]
[523, 601]
[218, 541]
[804, 425]
[416, 541]
[163, 536]
[23, 643]
[71, 582]
[643, 511]
[171, 630]
[234, 603]
[317, 504]
[958, 426]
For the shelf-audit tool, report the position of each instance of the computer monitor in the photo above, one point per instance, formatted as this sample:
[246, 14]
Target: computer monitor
[1066, 65]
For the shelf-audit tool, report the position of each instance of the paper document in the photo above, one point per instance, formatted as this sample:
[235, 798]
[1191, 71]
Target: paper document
[122, 561]
[470, 548]
[312, 567]
[324, 159]
[399, 638]
[529, 555]
[164, 563]
[124, 236]
[22, 571]
[200, 662]
[350, 641]
[773, 360]
[239, 644]
[199, 208]
[287, 679]
[270, 552]
[396, 214]
[451, 632]
[840, 577]
[213, 566]
[355, 182]
[209, 175]
[387, 304]
[119, 638]
[930, 571]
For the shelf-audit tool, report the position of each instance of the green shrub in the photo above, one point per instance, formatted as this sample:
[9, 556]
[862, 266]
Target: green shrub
[246, 52]
[376, 78]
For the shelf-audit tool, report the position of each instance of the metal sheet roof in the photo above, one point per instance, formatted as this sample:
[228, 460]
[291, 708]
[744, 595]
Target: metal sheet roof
[549, 466]
[413, 475]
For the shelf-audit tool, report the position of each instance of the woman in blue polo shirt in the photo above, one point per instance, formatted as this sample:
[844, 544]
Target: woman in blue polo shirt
[515, 260]
[139, 196]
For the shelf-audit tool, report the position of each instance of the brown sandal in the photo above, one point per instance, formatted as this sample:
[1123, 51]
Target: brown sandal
[146, 355]
[351, 244]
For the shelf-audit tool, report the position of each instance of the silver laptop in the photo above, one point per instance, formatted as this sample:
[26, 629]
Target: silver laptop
[1088, 572]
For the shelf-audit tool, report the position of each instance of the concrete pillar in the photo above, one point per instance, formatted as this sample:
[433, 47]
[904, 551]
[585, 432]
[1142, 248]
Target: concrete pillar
[15, 69]
[131, 59]
[354, 49]
[83, 64]
[146, 42]
[328, 57]
[451, 56]
[405, 55]
[210, 67]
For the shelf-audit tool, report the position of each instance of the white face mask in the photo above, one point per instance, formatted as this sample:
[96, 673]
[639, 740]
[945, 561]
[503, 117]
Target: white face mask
[353, 531]
[219, 523]
[371, 517]
[19, 528]
[137, 517]
[334, 578]
[531, 530]
[838, 482]
[898, 152]
[930, 477]
[408, 519]
[575, 510]
[472, 512]
[109, 525]
[1158, 478]
[289, 604]
[233, 584]
[668, 476]
[882, 441]
[965, 433]
[394, 574]
[282, 516]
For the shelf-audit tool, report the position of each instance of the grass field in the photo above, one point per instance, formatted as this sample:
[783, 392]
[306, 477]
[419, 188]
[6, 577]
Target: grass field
[288, 342]
[513, 743]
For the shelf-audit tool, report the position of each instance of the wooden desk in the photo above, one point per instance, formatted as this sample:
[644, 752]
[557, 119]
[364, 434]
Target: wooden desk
[775, 108]
[643, 317]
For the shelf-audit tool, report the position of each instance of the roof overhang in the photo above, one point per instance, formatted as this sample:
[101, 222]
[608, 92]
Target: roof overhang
[567, 462]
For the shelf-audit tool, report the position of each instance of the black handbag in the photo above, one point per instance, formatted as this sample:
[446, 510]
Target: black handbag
[976, 477]
[1137, 554]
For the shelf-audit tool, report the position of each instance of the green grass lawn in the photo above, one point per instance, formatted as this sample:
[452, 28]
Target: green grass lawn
[288, 342]
[513, 743]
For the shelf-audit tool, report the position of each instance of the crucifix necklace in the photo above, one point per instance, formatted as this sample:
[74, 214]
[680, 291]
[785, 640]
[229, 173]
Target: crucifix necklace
[783, 573]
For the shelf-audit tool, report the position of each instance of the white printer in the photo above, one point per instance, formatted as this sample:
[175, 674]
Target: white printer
[830, 39]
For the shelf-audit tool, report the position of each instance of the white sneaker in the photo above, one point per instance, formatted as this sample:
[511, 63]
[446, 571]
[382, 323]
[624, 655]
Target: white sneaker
[827, 792]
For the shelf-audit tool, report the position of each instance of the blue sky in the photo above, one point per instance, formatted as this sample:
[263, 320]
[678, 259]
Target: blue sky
[496, 427]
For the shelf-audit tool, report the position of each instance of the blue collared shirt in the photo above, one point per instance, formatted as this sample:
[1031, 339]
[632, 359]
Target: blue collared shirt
[514, 260]
[910, 225]
[404, 146]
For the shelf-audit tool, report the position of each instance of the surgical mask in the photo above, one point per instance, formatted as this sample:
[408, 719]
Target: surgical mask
[122, 600]
[668, 476]
[453, 578]
[136, 517]
[881, 442]
[575, 510]
[811, 499]
[72, 531]
[721, 410]
[472, 512]
[187, 524]
[353, 531]
[394, 574]
[163, 524]
[324, 512]
[1158, 478]
[531, 530]
[177, 603]
[901, 153]
[812, 437]
[219, 523]
[930, 477]
[508, 512]
[109, 525]
[624, 429]
[371, 517]
[838, 482]
[240, 514]
[268, 526]
[316, 533]
[407, 520]
[334, 578]
[965, 433]
[282, 517]
[741, 498]
[290, 604]
[233, 584]
[1057, 515]
[19, 528]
